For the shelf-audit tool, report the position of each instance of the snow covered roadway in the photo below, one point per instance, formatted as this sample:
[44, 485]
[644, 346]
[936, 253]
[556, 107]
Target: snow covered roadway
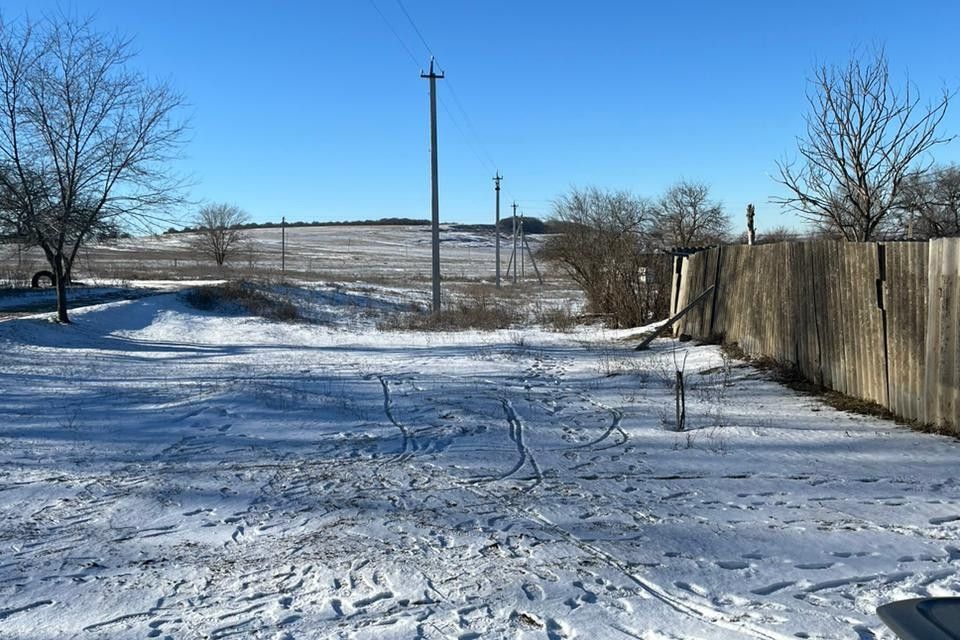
[169, 473]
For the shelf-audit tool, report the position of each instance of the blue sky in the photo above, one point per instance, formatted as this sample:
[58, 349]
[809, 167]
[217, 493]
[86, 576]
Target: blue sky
[314, 110]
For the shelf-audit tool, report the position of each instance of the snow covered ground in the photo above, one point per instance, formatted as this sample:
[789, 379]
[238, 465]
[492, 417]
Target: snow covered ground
[171, 473]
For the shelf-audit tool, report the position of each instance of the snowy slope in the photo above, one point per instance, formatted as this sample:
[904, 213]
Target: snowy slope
[170, 473]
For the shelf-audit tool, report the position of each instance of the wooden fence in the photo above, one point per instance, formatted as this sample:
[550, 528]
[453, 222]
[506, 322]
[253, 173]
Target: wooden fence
[877, 321]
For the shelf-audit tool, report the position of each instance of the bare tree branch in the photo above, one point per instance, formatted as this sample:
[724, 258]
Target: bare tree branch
[863, 140]
[930, 204]
[686, 217]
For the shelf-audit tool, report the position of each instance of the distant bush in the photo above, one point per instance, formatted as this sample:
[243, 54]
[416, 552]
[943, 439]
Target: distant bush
[557, 318]
[243, 297]
[477, 309]
[604, 248]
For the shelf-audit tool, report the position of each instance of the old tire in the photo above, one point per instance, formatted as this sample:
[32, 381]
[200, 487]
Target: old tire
[39, 275]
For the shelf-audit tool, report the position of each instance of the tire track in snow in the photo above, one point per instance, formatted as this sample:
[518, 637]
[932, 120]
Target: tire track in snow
[388, 409]
[616, 418]
[548, 373]
[516, 435]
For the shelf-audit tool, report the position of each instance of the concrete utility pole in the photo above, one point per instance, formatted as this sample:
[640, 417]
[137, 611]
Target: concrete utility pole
[283, 244]
[497, 178]
[435, 220]
[514, 256]
[523, 263]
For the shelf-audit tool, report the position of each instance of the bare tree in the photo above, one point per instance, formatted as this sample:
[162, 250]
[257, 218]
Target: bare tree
[219, 235]
[930, 204]
[864, 138]
[687, 217]
[84, 139]
[605, 247]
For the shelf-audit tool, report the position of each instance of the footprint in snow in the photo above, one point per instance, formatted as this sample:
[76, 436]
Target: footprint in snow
[532, 591]
[771, 588]
[692, 588]
[732, 564]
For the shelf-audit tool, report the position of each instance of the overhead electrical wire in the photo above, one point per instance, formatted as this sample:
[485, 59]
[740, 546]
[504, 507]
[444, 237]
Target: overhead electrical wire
[395, 34]
[476, 144]
[414, 25]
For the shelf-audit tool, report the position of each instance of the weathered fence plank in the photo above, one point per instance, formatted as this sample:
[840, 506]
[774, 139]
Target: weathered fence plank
[942, 371]
[905, 300]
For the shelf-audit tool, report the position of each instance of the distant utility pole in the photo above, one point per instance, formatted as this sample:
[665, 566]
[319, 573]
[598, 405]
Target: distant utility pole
[532, 261]
[283, 244]
[523, 262]
[497, 178]
[433, 77]
[514, 256]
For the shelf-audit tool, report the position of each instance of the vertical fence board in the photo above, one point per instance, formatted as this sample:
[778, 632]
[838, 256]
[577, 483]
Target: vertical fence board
[948, 333]
[921, 321]
[841, 314]
[676, 281]
[810, 299]
[904, 297]
[873, 337]
[946, 375]
[724, 294]
[700, 319]
[942, 372]
[870, 333]
[822, 302]
[932, 341]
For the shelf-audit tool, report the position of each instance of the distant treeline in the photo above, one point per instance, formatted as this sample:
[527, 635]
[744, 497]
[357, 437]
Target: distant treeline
[315, 223]
[530, 225]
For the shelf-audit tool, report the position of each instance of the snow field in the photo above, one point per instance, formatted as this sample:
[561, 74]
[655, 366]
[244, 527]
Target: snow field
[395, 254]
[170, 473]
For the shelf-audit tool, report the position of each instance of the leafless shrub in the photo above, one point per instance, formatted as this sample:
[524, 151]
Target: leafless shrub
[604, 246]
[243, 297]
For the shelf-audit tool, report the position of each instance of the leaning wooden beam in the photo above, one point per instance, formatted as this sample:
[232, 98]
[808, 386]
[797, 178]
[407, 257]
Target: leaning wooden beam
[669, 323]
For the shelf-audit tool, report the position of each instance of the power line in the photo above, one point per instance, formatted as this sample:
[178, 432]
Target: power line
[464, 135]
[469, 122]
[395, 34]
[414, 25]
